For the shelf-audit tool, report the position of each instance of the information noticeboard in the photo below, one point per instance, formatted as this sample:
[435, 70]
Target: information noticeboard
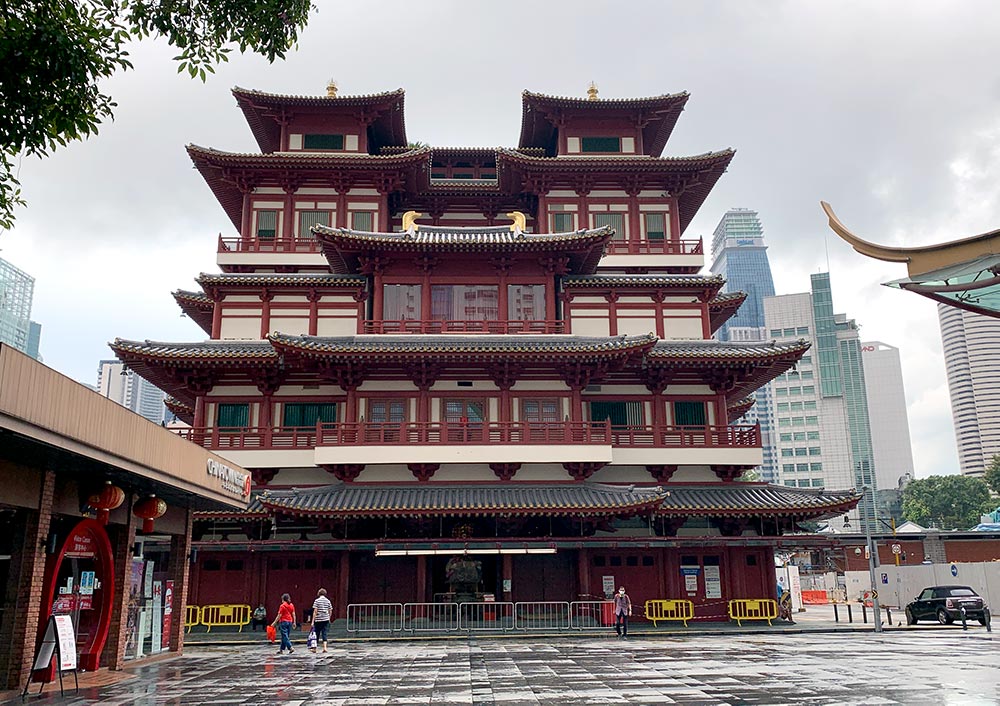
[59, 632]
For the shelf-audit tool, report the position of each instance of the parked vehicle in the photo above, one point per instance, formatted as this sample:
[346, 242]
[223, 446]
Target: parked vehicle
[945, 604]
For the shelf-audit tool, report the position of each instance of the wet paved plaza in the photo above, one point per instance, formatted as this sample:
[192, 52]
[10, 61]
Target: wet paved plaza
[939, 667]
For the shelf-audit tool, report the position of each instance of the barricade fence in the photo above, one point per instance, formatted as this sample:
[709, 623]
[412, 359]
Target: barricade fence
[227, 614]
[666, 609]
[753, 609]
[589, 614]
[375, 617]
[192, 617]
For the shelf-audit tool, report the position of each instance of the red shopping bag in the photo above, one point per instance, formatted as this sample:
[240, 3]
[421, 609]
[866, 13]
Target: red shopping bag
[272, 634]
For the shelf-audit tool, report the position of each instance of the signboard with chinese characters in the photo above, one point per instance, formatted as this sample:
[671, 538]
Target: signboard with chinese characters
[713, 582]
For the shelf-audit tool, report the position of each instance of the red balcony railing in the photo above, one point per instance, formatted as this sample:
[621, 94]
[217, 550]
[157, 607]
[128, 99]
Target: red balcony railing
[505, 327]
[486, 433]
[229, 245]
[655, 247]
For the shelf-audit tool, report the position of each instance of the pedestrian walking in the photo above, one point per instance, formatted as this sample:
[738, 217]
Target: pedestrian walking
[322, 612]
[284, 621]
[623, 609]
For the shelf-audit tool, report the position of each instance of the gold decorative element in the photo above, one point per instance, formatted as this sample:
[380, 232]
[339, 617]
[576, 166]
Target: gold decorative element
[520, 221]
[409, 219]
[592, 91]
[331, 89]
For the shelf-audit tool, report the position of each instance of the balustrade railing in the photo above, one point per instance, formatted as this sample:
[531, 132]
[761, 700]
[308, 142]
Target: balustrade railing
[471, 433]
[655, 247]
[440, 326]
[275, 245]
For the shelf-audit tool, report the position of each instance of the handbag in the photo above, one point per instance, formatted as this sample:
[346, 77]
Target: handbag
[311, 640]
[272, 633]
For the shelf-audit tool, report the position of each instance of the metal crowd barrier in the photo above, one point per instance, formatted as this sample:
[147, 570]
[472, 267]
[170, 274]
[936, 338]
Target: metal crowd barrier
[666, 609]
[753, 609]
[589, 614]
[487, 615]
[375, 617]
[541, 615]
[420, 617]
[192, 617]
[224, 615]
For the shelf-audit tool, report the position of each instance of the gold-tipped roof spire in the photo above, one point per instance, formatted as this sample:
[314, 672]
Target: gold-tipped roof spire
[592, 91]
[331, 88]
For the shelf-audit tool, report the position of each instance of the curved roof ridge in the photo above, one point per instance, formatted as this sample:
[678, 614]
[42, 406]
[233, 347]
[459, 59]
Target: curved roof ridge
[239, 90]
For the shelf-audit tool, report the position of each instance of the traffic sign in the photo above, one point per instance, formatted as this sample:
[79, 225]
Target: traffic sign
[954, 570]
[874, 595]
[885, 578]
[897, 549]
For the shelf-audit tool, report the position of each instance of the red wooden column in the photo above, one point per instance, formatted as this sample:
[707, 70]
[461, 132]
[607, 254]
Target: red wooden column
[675, 220]
[265, 313]
[507, 572]
[343, 593]
[180, 574]
[612, 298]
[217, 317]
[421, 579]
[24, 585]
[576, 403]
[313, 298]
[634, 217]
[542, 214]
[288, 215]
[583, 571]
[658, 298]
[351, 405]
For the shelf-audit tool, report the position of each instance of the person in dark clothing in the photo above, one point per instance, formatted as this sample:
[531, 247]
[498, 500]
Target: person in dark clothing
[623, 609]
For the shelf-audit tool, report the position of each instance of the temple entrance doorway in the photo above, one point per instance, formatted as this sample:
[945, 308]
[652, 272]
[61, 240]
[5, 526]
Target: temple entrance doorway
[453, 577]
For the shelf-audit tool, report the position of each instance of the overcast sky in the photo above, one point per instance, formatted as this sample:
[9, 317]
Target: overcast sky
[890, 111]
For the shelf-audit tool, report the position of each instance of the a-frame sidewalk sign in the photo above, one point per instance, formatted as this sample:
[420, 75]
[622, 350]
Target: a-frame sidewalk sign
[59, 641]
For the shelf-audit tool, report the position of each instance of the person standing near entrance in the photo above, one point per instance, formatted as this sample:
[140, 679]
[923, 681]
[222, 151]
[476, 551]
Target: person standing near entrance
[322, 611]
[284, 621]
[623, 609]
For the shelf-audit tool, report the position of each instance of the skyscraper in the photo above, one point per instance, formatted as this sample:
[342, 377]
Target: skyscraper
[739, 255]
[822, 426]
[971, 355]
[129, 390]
[890, 428]
[16, 327]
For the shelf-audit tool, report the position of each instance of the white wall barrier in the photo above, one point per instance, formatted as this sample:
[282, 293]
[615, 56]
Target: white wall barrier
[898, 585]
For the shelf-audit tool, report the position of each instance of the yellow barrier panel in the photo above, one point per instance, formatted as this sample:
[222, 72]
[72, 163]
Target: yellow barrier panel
[225, 614]
[742, 609]
[667, 609]
[192, 617]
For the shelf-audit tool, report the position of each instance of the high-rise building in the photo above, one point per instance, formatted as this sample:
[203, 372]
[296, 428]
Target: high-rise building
[890, 428]
[739, 255]
[16, 327]
[971, 355]
[821, 418]
[129, 390]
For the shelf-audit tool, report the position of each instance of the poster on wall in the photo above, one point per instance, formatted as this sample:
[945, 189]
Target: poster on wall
[157, 617]
[168, 611]
[608, 586]
[713, 582]
[134, 604]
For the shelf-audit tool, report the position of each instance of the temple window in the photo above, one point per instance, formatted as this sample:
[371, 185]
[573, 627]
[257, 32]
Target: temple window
[459, 302]
[464, 411]
[687, 413]
[322, 142]
[307, 219]
[233, 416]
[600, 144]
[307, 414]
[655, 226]
[541, 410]
[562, 222]
[526, 302]
[401, 302]
[615, 220]
[387, 411]
[620, 413]
[363, 220]
[267, 225]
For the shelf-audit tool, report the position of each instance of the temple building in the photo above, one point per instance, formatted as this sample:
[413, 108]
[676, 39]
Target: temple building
[504, 354]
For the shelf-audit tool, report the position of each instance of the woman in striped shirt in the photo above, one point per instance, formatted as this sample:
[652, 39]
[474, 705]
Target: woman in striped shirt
[322, 609]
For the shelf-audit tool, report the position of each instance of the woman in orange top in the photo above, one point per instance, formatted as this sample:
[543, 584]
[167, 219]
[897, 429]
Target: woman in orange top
[284, 621]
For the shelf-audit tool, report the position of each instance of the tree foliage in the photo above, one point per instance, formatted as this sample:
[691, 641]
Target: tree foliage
[992, 475]
[54, 53]
[949, 502]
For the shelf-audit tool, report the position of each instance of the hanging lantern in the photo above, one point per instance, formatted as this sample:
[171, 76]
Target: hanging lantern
[109, 498]
[149, 509]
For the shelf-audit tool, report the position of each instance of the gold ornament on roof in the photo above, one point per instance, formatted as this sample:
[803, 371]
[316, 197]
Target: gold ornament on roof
[519, 224]
[409, 219]
[331, 89]
[592, 91]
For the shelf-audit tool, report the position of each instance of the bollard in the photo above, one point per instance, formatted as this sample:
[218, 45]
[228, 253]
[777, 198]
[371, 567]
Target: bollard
[850, 616]
[888, 616]
[864, 613]
[965, 625]
[836, 615]
[989, 621]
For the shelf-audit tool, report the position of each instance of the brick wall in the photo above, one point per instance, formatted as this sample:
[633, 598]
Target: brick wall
[180, 574]
[122, 540]
[24, 588]
[972, 549]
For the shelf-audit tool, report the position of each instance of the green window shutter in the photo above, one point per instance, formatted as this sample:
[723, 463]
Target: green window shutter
[620, 413]
[562, 222]
[615, 220]
[689, 414]
[600, 144]
[362, 220]
[267, 225]
[323, 142]
[308, 219]
[307, 414]
[656, 228]
[233, 415]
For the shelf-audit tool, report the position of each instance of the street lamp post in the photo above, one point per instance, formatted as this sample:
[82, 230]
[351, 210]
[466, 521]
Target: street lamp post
[871, 566]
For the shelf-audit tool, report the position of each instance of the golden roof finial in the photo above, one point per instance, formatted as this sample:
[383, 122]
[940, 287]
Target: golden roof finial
[592, 91]
[519, 224]
[409, 221]
[331, 88]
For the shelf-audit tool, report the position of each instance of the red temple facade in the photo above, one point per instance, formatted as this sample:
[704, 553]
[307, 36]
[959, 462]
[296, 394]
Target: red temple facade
[422, 352]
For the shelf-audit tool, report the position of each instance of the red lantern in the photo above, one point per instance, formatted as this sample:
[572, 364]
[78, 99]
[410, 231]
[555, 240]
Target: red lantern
[149, 509]
[109, 498]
